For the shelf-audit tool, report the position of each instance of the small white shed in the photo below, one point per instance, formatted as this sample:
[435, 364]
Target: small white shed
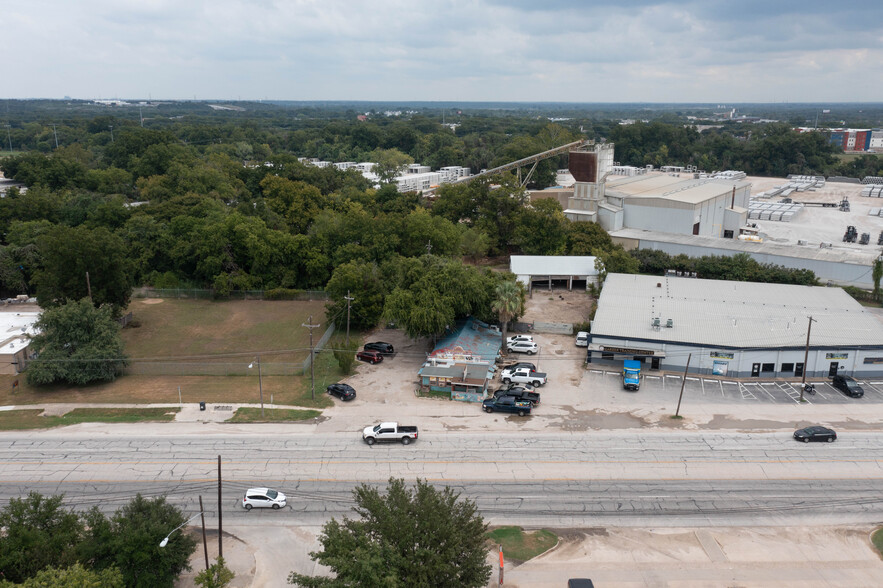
[554, 270]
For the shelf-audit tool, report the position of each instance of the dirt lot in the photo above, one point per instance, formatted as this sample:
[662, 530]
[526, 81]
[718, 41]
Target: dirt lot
[558, 306]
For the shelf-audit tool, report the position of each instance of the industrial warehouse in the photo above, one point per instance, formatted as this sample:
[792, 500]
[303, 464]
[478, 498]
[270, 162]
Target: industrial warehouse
[800, 222]
[738, 329]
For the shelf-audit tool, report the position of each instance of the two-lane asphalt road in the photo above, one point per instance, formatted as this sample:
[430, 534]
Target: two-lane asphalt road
[580, 479]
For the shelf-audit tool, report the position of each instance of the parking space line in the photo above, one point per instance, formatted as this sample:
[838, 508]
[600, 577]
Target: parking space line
[746, 393]
[793, 394]
[872, 386]
[762, 387]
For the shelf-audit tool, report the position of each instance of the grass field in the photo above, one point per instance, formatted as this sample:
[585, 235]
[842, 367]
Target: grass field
[851, 156]
[233, 332]
[521, 545]
[272, 415]
[877, 540]
[16, 420]
[215, 331]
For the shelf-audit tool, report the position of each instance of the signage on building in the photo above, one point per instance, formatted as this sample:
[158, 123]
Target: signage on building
[626, 350]
[836, 356]
[719, 368]
[722, 355]
[873, 360]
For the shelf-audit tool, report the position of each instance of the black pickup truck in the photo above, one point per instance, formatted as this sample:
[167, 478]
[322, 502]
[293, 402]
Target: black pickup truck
[507, 404]
[519, 393]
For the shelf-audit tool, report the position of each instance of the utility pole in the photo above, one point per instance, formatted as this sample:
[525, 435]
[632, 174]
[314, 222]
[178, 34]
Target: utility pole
[111, 133]
[9, 135]
[204, 543]
[348, 299]
[805, 358]
[683, 382]
[311, 326]
[141, 116]
[220, 514]
[429, 247]
[88, 286]
[55, 132]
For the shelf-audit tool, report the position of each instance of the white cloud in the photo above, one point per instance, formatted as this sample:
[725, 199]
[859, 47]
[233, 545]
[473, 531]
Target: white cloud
[561, 50]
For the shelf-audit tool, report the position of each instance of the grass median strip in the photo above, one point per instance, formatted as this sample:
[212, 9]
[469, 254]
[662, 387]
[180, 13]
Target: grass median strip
[248, 414]
[520, 545]
[14, 420]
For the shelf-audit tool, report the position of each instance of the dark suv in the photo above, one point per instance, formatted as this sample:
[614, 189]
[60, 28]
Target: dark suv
[848, 386]
[342, 391]
[385, 348]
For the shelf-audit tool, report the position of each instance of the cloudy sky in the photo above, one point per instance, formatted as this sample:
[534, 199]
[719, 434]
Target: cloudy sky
[460, 50]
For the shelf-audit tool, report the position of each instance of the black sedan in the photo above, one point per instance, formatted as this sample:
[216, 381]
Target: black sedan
[815, 433]
[342, 391]
[385, 348]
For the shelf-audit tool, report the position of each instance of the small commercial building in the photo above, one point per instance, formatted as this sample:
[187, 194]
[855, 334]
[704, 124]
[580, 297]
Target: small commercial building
[737, 329]
[543, 271]
[16, 330]
[463, 362]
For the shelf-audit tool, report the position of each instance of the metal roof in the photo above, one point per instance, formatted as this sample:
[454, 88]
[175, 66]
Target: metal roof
[678, 189]
[470, 339]
[731, 314]
[853, 255]
[555, 265]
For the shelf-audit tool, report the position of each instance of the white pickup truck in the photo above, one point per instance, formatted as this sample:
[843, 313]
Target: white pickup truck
[386, 432]
[523, 376]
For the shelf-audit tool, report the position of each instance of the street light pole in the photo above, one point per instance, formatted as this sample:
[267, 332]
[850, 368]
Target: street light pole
[257, 360]
[165, 541]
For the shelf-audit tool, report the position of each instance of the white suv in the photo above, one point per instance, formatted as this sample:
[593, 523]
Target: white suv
[517, 338]
[263, 498]
[528, 347]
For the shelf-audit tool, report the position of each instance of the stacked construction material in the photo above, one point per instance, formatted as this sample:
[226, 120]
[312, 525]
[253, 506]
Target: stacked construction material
[776, 211]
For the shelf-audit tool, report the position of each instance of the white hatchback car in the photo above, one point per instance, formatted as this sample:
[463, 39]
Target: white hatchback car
[528, 347]
[263, 498]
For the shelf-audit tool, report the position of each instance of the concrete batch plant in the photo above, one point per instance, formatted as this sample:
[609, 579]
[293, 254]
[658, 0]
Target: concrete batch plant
[737, 329]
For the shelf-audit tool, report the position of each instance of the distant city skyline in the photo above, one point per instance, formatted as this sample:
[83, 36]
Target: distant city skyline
[702, 51]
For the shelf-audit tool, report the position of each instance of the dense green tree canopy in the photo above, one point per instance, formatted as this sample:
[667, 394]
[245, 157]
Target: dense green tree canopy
[38, 532]
[76, 344]
[68, 254]
[418, 537]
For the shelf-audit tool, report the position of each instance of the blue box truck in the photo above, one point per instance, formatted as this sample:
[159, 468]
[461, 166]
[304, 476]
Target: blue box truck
[631, 374]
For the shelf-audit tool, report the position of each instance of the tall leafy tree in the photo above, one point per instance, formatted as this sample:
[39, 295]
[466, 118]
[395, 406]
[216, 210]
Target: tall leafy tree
[132, 542]
[508, 304]
[76, 344]
[389, 163]
[418, 537]
[69, 253]
[37, 533]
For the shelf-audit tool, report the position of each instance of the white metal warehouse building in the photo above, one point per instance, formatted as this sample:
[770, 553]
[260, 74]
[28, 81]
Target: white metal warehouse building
[740, 329]
[563, 270]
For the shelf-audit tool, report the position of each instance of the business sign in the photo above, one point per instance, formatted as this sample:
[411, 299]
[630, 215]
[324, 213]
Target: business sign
[719, 368]
[722, 355]
[626, 350]
[873, 360]
[836, 356]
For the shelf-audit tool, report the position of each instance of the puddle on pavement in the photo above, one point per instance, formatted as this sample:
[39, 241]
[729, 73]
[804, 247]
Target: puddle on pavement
[583, 420]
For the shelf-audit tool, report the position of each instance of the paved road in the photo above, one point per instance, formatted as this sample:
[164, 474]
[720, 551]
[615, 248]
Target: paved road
[600, 478]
